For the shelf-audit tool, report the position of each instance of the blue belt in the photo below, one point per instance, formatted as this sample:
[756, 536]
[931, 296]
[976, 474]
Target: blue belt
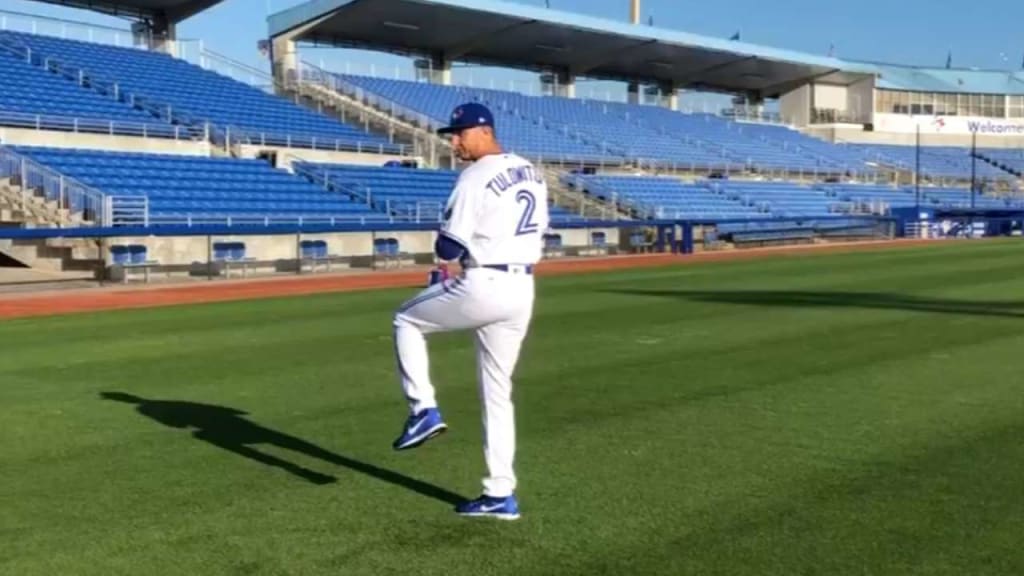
[528, 268]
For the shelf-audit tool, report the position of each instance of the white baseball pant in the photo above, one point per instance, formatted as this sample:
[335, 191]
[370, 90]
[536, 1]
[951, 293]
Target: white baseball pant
[498, 305]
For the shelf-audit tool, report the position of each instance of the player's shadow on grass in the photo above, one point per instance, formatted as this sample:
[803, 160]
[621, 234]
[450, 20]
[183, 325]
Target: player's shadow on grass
[228, 429]
[873, 300]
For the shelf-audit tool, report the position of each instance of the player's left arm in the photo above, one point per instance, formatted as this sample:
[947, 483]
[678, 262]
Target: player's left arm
[460, 220]
[448, 249]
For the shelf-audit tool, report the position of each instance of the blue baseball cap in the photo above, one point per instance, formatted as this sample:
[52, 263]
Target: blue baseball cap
[468, 115]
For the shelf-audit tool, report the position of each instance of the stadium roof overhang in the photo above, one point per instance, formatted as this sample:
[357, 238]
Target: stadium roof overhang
[526, 37]
[172, 10]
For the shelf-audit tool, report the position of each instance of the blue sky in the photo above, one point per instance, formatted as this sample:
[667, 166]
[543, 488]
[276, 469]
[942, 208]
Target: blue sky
[904, 31]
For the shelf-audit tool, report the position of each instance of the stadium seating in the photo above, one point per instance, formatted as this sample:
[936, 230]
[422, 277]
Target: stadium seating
[867, 194]
[195, 96]
[738, 141]
[596, 123]
[936, 161]
[714, 199]
[34, 97]
[906, 196]
[199, 190]
[404, 192]
[781, 199]
[523, 135]
[961, 198]
[563, 129]
[661, 197]
[1010, 160]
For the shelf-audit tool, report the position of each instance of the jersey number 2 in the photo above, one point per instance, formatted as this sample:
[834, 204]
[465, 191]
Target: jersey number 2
[526, 223]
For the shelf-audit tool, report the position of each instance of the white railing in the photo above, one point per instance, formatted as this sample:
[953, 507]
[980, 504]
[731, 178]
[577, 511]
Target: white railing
[234, 136]
[69, 196]
[227, 66]
[69, 30]
[195, 220]
[312, 74]
[329, 182]
[92, 126]
[611, 197]
[420, 211]
[126, 211]
[96, 83]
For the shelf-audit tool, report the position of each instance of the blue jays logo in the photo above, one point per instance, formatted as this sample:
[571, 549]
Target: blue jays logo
[457, 114]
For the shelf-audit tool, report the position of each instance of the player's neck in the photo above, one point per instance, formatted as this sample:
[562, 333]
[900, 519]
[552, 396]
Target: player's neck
[491, 151]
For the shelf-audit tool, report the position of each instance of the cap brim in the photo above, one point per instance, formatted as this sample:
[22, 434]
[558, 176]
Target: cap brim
[454, 129]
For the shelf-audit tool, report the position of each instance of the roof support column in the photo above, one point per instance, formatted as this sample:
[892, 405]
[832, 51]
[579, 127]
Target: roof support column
[561, 83]
[633, 93]
[437, 70]
[285, 60]
[668, 95]
[159, 34]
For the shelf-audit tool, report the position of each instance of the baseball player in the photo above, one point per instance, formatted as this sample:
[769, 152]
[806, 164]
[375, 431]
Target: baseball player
[493, 225]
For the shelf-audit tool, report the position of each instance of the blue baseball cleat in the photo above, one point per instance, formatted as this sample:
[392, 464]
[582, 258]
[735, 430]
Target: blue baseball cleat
[502, 508]
[419, 428]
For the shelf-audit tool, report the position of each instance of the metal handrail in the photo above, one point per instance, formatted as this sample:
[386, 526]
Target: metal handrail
[67, 183]
[92, 126]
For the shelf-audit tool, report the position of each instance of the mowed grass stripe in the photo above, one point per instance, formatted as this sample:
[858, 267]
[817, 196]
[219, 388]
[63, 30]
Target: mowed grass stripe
[837, 414]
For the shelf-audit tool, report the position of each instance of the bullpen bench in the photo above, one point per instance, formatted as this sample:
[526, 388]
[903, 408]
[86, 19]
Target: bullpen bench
[768, 237]
[315, 253]
[231, 255]
[128, 258]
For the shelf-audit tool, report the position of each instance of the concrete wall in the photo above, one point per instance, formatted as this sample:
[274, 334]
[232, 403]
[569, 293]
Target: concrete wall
[176, 250]
[56, 139]
[861, 100]
[854, 133]
[795, 106]
[582, 237]
[285, 156]
[190, 249]
[830, 96]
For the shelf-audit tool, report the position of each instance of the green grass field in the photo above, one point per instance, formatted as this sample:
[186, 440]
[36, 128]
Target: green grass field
[842, 414]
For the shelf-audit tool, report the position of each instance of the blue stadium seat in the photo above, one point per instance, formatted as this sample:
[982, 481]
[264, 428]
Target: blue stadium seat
[722, 200]
[203, 190]
[313, 248]
[32, 96]
[402, 193]
[193, 95]
[120, 255]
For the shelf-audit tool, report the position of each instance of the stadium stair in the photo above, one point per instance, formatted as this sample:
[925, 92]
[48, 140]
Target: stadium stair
[27, 209]
[1011, 161]
[327, 92]
[575, 201]
[54, 254]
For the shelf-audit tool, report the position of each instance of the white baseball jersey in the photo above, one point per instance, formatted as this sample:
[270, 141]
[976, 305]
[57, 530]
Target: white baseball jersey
[499, 211]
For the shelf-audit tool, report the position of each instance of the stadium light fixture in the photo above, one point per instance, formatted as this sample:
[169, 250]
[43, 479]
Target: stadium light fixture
[400, 25]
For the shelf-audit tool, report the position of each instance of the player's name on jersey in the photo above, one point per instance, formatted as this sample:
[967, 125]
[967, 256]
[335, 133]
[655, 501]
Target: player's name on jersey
[514, 175]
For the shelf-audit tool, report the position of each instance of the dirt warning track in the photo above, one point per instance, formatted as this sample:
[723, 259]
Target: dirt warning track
[121, 297]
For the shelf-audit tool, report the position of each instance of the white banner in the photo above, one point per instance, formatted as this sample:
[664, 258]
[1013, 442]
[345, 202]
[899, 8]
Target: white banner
[949, 125]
